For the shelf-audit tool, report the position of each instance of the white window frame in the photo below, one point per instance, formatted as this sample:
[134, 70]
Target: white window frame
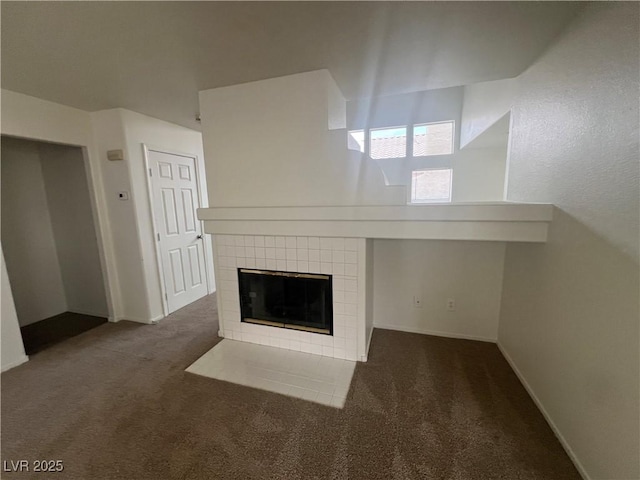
[453, 138]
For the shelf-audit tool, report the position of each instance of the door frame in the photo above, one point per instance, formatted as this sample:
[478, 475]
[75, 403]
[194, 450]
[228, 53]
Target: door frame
[146, 150]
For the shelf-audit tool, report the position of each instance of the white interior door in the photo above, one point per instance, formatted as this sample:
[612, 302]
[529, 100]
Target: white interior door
[180, 243]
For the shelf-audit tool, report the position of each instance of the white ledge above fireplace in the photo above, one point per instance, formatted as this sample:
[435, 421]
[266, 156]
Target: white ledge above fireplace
[499, 221]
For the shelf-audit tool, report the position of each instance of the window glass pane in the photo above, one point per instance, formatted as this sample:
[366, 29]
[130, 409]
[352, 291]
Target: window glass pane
[431, 186]
[388, 142]
[355, 140]
[433, 139]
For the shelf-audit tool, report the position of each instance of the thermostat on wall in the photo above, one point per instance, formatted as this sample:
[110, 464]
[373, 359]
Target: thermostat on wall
[123, 195]
[115, 155]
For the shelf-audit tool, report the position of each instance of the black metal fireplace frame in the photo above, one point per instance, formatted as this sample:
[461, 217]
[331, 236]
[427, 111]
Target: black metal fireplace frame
[291, 326]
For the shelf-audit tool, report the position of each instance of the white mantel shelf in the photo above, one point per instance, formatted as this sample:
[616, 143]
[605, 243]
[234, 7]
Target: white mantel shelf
[504, 221]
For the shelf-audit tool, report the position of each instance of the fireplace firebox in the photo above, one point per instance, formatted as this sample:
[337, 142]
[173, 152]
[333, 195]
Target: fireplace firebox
[300, 301]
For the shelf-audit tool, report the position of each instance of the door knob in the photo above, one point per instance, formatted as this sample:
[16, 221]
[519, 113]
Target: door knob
[199, 237]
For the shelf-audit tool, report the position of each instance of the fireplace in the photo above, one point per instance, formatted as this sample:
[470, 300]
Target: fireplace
[338, 262]
[298, 301]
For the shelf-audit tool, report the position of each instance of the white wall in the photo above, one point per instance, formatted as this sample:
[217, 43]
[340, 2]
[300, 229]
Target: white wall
[570, 308]
[484, 104]
[397, 110]
[69, 205]
[48, 231]
[369, 292]
[27, 235]
[11, 347]
[434, 271]
[478, 175]
[120, 230]
[133, 239]
[32, 118]
[404, 110]
[138, 130]
[268, 144]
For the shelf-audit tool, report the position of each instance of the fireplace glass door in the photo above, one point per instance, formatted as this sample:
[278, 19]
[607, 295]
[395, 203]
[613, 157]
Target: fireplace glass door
[300, 301]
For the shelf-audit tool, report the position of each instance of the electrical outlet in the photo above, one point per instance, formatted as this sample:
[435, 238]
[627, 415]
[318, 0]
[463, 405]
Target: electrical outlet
[451, 304]
[417, 302]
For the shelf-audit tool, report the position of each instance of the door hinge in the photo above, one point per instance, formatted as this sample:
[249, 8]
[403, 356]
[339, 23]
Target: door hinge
[166, 297]
[158, 235]
[150, 173]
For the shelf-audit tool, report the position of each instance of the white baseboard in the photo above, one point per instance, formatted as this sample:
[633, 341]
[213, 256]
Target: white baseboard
[545, 414]
[15, 363]
[422, 331]
[87, 312]
[365, 357]
[146, 321]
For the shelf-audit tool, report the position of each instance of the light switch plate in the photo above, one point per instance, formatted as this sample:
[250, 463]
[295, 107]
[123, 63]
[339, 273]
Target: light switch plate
[115, 155]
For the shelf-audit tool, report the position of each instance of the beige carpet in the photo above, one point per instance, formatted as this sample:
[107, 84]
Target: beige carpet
[116, 403]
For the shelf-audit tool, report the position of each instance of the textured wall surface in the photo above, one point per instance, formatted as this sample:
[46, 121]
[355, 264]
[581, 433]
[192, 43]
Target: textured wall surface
[569, 318]
[575, 127]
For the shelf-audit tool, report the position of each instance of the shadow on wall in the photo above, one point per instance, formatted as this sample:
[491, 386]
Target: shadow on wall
[569, 321]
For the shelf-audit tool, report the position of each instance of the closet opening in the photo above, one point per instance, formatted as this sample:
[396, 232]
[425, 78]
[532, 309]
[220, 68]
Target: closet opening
[50, 243]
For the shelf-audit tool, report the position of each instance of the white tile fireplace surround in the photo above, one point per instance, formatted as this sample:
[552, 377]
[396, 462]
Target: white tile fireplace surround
[343, 258]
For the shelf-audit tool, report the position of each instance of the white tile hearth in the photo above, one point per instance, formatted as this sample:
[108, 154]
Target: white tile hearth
[302, 375]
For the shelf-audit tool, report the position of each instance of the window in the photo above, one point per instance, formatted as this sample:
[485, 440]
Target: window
[355, 140]
[433, 139]
[391, 142]
[388, 142]
[431, 186]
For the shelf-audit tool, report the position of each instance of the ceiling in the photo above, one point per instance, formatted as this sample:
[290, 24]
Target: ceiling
[154, 57]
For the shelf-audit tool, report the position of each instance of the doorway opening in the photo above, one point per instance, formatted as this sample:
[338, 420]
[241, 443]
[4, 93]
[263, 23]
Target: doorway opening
[50, 244]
